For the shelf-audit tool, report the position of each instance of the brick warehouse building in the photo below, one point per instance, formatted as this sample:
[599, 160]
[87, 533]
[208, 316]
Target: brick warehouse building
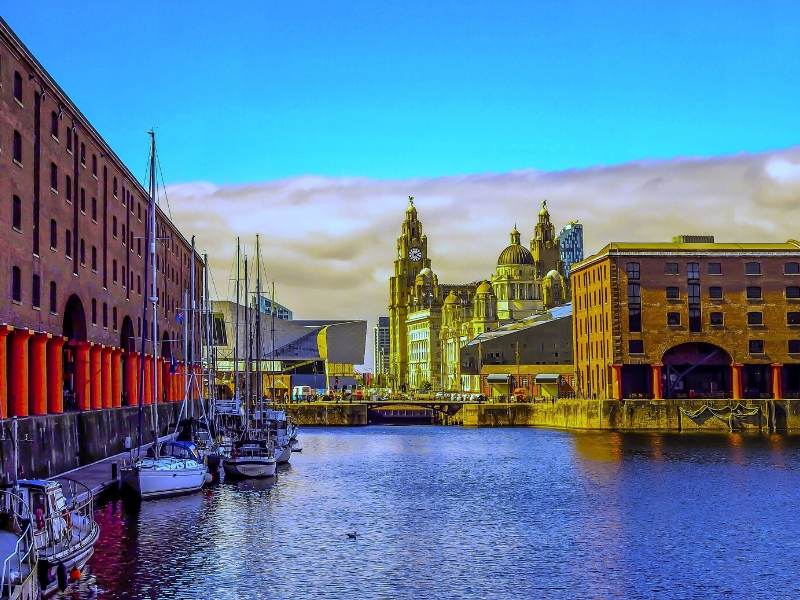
[688, 319]
[72, 224]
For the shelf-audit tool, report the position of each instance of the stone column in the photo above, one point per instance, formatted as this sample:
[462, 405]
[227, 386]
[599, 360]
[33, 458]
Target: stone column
[96, 376]
[131, 373]
[37, 374]
[148, 379]
[736, 380]
[617, 382]
[4, 331]
[777, 380]
[82, 387]
[55, 375]
[116, 377]
[19, 372]
[658, 388]
[105, 368]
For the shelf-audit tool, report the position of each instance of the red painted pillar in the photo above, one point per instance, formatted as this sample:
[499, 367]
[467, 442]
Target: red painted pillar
[736, 379]
[55, 375]
[105, 368]
[96, 377]
[116, 377]
[148, 379]
[777, 381]
[658, 389]
[131, 373]
[37, 374]
[19, 372]
[4, 331]
[165, 381]
[617, 381]
[181, 385]
[82, 388]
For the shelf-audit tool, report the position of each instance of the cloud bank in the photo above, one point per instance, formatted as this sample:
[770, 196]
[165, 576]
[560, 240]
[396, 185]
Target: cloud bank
[329, 242]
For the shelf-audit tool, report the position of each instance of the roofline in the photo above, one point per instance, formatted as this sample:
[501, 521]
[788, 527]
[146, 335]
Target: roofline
[52, 85]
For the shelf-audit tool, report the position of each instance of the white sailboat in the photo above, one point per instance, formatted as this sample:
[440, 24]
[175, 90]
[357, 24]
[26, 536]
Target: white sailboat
[173, 468]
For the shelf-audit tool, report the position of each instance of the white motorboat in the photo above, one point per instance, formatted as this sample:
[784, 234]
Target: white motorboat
[17, 549]
[277, 427]
[176, 470]
[250, 459]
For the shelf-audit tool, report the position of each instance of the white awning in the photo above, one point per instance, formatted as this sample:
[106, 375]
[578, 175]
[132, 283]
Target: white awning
[547, 378]
[498, 378]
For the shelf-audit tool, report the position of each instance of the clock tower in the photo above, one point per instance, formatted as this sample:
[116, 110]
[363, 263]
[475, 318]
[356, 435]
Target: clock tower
[411, 258]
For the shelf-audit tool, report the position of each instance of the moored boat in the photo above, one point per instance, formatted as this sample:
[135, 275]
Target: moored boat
[175, 470]
[17, 549]
[250, 459]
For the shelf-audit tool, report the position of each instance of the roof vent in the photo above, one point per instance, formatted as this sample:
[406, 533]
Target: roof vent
[693, 239]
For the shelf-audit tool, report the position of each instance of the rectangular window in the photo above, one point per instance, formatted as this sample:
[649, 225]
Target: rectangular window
[114, 226]
[716, 319]
[635, 347]
[793, 292]
[671, 268]
[16, 213]
[673, 292]
[53, 234]
[17, 87]
[752, 268]
[16, 284]
[53, 176]
[793, 318]
[68, 243]
[17, 147]
[114, 317]
[632, 270]
[68, 185]
[755, 318]
[715, 292]
[83, 251]
[36, 291]
[794, 346]
[753, 292]
[715, 268]
[791, 268]
[105, 315]
[54, 124]
[94, 209]
[114, 270]
[94, 311]
[693, 293]
[69, 139]
[693, 270]
[94, 258]
[94, 165]
[83, 154]
[83, 200]
[53, 298]
[673, 318]
[755, 346]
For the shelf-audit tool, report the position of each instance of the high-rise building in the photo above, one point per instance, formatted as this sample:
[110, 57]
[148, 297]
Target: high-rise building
[571, 243]
[381, 346]
[281, 312]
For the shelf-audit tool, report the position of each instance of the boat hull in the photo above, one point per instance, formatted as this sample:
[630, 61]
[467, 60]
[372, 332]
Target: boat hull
[284, 454]
[75, 558]
[152, 483]
[249, 467]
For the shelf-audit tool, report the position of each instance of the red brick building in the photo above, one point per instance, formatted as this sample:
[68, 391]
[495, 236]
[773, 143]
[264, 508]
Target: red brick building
[72, 267]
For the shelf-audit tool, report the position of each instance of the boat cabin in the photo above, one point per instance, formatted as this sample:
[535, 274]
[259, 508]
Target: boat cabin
[178, 449]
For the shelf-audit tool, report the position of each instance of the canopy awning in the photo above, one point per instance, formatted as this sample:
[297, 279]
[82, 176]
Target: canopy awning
[547, 378]
[498, 378]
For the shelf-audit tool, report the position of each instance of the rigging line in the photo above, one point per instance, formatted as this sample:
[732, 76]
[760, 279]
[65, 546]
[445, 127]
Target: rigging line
[164, 186]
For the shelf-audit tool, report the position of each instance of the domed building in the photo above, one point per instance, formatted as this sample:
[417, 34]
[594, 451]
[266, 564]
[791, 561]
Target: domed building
[430, 322]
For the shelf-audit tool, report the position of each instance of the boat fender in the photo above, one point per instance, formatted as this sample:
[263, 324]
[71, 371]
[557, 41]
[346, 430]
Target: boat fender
[61, 576]
[39, 518]
[43, 573]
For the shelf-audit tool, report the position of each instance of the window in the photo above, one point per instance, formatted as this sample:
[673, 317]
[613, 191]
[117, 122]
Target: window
[114, 317]
[69, 139]
[716, 319]
[139, 246]
[17, 87]
[53, 177]
[671, 268]
[83, 252]
[138, 284]
[68, 185]
[36, 292]
[755, 346]
[94, 209]
[16, 284]
[673, 292]
[17, 147]
[94, 311]
[139, 211]
[693, 270]
[53, 298]
[114, 187]
[635, 347]
[68, 244]
[753, 292]
[105, 315]
[755, 318]
[793, 291]
[16, 213]
[94, 258]
[791, 268]
[114, 226]
[715, 268]
[124, 237]
[673, 318]
[83, 200]
[53, 234]
[793, 318]
[54, 124]
[114, 270]
[632, 269]
[715, 292]
[752, 268]
[83, 154]
[94, 165]
[794, 346]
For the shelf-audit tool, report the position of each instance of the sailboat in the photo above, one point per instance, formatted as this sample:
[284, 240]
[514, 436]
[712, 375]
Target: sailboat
[173, 467]
[252, 454]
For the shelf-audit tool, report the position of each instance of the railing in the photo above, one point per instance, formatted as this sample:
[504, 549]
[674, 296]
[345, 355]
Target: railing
[69, 525]
[14, 509]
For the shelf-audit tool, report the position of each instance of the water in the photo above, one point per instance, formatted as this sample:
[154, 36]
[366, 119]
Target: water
[475, 513]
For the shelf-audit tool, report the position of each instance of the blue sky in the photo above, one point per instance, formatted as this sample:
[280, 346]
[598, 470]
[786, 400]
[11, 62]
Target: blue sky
[255, 91]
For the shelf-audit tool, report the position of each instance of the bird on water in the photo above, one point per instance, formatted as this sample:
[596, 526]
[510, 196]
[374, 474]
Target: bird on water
[352, 536]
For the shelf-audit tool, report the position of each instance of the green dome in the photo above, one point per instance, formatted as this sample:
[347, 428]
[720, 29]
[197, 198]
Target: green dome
[515, 254]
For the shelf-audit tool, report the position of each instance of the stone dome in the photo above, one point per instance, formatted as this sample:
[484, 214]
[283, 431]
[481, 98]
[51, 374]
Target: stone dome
[451, 299]
[485, 288]
[515, 254]
[426, 272]
[553, 274]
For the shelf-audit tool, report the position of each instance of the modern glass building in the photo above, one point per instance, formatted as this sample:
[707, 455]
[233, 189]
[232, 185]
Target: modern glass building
[381, 346]
[571, 242]
[281, 312]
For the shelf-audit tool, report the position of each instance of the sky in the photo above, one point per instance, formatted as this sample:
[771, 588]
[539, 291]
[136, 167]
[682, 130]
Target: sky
[310, 123]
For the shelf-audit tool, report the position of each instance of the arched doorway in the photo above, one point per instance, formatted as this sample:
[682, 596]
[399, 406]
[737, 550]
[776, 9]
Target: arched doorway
[73, 328]
[697, 370]
[166, 345]
[127, 342]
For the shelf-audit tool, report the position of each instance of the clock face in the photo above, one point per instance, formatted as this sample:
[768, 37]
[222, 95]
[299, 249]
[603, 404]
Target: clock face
[415, 254]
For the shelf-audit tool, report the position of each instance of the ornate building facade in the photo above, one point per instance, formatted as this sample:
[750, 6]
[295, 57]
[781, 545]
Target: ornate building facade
[429, 322]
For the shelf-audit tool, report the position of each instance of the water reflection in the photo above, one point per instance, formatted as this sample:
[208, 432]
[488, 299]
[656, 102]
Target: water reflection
[448, 512]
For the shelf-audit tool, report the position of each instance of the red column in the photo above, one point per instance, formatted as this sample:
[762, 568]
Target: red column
[19, 372]
[736, 379]
[105, 368]
[116, 377]
[777, 381]
[658, 390]
[37, 374]
[131, 375]
[96, 377]
[617, 381]
[148, 379]
[82, 388]
[181, 386]
[4, 331]
[55, 375]
[164, 384]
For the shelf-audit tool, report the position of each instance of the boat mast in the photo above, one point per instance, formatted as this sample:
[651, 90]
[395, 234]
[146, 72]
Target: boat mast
[236, 394]
[249, 354]
[191, 380]
[153, 284]
[259, 383]
[272, 346]
[208, 371]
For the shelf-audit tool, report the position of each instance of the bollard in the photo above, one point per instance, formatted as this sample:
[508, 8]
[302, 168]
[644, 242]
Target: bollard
[115, 471]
